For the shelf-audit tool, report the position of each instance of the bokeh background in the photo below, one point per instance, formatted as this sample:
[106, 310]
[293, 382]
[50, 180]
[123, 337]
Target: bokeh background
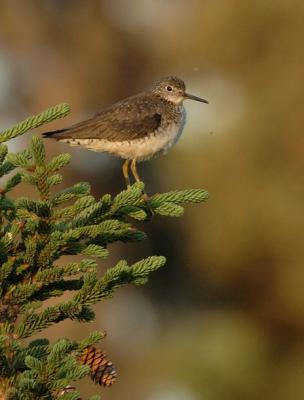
[225, 318]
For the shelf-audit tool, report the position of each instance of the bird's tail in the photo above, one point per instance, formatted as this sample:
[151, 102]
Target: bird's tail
[72, 131]
[54, 134]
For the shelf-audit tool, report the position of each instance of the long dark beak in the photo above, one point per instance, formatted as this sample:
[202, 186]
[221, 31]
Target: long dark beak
[191, 97]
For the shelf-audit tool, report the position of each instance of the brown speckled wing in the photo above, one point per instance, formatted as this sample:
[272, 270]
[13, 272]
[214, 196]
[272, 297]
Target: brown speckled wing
[132, 118]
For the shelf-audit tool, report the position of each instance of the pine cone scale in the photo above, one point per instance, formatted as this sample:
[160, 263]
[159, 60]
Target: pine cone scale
[102, 370]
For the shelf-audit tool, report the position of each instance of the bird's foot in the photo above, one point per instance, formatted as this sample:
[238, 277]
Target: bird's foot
[148, 208]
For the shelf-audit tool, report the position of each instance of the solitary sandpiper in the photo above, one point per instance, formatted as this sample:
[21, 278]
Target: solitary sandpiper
[135, 129]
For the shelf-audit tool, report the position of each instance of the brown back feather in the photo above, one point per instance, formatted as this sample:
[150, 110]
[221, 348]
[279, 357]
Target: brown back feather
[132, 118]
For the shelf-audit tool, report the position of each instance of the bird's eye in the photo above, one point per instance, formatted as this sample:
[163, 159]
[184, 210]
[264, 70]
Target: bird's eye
[169, 88]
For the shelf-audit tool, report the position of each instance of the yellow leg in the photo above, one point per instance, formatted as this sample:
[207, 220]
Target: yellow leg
[134, 171]
[125, 171]
[137, 178]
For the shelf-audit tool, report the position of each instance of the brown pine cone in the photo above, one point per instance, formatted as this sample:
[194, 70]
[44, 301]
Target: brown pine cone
[102, 370]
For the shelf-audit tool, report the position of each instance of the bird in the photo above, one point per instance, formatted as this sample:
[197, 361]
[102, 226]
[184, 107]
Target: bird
[138, 128]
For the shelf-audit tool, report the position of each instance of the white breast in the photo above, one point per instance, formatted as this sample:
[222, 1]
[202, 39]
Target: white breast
[140, 149]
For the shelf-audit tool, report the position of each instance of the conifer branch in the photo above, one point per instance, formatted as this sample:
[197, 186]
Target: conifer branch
[34, 236]
[46, 116]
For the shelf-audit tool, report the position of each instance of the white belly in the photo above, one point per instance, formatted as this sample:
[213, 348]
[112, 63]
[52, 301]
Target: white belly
[140, 149]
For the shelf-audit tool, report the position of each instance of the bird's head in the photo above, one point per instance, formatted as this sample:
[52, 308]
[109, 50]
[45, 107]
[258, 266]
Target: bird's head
[174, 89]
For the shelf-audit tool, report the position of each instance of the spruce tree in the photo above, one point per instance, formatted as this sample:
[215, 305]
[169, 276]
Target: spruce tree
[34, 235]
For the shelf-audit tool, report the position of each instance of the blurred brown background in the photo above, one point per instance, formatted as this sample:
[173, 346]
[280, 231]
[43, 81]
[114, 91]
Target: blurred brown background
[225, 318]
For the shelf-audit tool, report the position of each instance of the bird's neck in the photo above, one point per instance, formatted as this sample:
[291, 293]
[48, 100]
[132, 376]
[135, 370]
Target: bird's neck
[176, 105]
